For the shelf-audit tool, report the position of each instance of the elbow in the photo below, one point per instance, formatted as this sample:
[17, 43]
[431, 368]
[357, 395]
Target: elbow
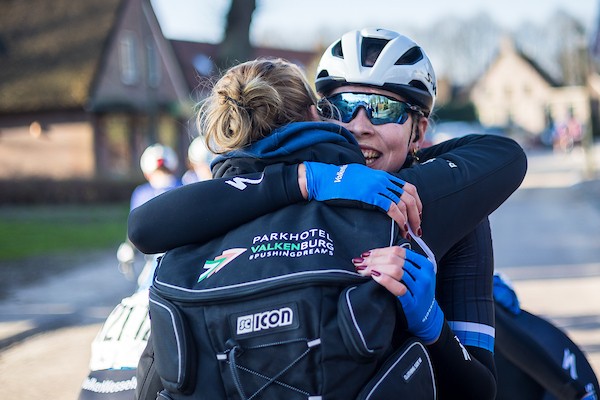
[137, 232]
[521, 161]
[516, 154]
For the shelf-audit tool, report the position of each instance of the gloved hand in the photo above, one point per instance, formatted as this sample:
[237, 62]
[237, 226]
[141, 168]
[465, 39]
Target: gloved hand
[424, 317]
[352, 182]
[505, 295]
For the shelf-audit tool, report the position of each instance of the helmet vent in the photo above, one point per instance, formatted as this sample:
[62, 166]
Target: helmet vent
[323, 74]
[336, 50]
[411, 56]
[370, 50]
[418, 85]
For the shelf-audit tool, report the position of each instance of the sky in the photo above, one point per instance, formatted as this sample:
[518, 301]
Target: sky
[302, 24]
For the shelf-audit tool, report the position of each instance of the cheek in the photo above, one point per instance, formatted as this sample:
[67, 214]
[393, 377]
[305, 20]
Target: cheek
[396, 150]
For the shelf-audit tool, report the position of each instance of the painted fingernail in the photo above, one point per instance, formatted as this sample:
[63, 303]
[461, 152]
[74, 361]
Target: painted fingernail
[359, 267]
[366, 254]
[408, 237]
[357, 260]
[375, 273]
[419, 232]
[406, 227]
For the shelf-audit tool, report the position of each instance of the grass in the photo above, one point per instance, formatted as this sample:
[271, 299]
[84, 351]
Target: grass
[27, 231]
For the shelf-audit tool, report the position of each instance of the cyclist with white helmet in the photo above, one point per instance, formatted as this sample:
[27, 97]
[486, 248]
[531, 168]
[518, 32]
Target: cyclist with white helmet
[116, 349]
[379, 85]
[199, 157]
[159, 164]
[370, 70]
[393, 75]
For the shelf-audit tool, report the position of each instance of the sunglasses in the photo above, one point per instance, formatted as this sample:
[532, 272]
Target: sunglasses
[380, 109]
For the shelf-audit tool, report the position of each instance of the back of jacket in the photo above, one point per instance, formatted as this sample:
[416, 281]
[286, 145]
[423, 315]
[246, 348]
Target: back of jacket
[276, 308]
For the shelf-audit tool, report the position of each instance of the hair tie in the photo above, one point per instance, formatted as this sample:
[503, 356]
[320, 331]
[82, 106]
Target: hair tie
[233, 101]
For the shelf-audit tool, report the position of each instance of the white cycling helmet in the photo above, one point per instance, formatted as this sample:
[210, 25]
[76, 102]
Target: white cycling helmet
[379, 58]
[198, 152]
[157, 156]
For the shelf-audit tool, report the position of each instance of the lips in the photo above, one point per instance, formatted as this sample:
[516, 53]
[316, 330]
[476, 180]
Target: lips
[370, 155]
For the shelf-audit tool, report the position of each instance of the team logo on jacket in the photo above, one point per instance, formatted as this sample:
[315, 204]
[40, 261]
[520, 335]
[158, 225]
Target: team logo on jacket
[292, 244]
[214, 266]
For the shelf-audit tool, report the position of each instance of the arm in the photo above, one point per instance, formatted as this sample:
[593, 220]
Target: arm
[461, 352]
[202, 211]
[461, 182]
[205, 210]
[464, 292]
[183, 216]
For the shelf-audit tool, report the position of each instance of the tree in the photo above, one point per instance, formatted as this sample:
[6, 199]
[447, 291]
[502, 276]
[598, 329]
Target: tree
[236, 46]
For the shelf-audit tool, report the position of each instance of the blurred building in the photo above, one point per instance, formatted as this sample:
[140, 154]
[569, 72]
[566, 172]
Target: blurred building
[85, 86]
[198, 67]
[515, 92]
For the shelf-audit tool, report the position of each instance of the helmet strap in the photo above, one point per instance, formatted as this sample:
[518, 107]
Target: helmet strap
[414, 136]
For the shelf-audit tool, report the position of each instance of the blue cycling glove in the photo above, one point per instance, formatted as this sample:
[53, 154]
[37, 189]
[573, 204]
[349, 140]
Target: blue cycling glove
[505, 295]
[352, 182]
[423, 314]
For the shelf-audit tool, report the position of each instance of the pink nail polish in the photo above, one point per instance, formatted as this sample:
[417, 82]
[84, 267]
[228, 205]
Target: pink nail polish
[366, 254]
[419, 232]
[357, 260]
[359, 268]
[375, 273]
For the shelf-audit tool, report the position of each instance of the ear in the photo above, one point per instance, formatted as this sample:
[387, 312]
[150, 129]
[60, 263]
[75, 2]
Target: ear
[313, 114]
[422, 125]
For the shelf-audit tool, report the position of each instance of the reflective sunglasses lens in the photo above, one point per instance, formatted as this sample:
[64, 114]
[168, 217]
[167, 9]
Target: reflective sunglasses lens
[380, 109]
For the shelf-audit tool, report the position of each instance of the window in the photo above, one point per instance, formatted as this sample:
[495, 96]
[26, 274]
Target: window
[153, 61]
[128, 59]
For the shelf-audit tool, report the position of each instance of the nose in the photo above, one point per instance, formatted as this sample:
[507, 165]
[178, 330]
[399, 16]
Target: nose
[361, 124]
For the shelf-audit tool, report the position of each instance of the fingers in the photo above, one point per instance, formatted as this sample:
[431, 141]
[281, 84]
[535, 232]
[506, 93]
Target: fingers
[399, 217]
[412, 190]
[392, 285]
[385, 266]
[412, 204]
[405, 213]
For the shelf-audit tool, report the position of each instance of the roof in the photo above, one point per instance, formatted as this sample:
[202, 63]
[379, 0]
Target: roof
[197, 59]
[507, 46]
[543, 73]
[50, 51]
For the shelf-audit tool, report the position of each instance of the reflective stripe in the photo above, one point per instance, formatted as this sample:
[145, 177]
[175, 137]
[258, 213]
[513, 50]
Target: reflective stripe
[474, 334]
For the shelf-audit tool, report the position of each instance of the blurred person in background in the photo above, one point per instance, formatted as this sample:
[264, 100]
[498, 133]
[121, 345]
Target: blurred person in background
[116, 349]
[159, 165]
[568, 134]
[199, 158]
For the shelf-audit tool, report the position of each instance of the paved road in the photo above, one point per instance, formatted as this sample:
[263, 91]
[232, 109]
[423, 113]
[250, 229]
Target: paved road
[546, 239]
